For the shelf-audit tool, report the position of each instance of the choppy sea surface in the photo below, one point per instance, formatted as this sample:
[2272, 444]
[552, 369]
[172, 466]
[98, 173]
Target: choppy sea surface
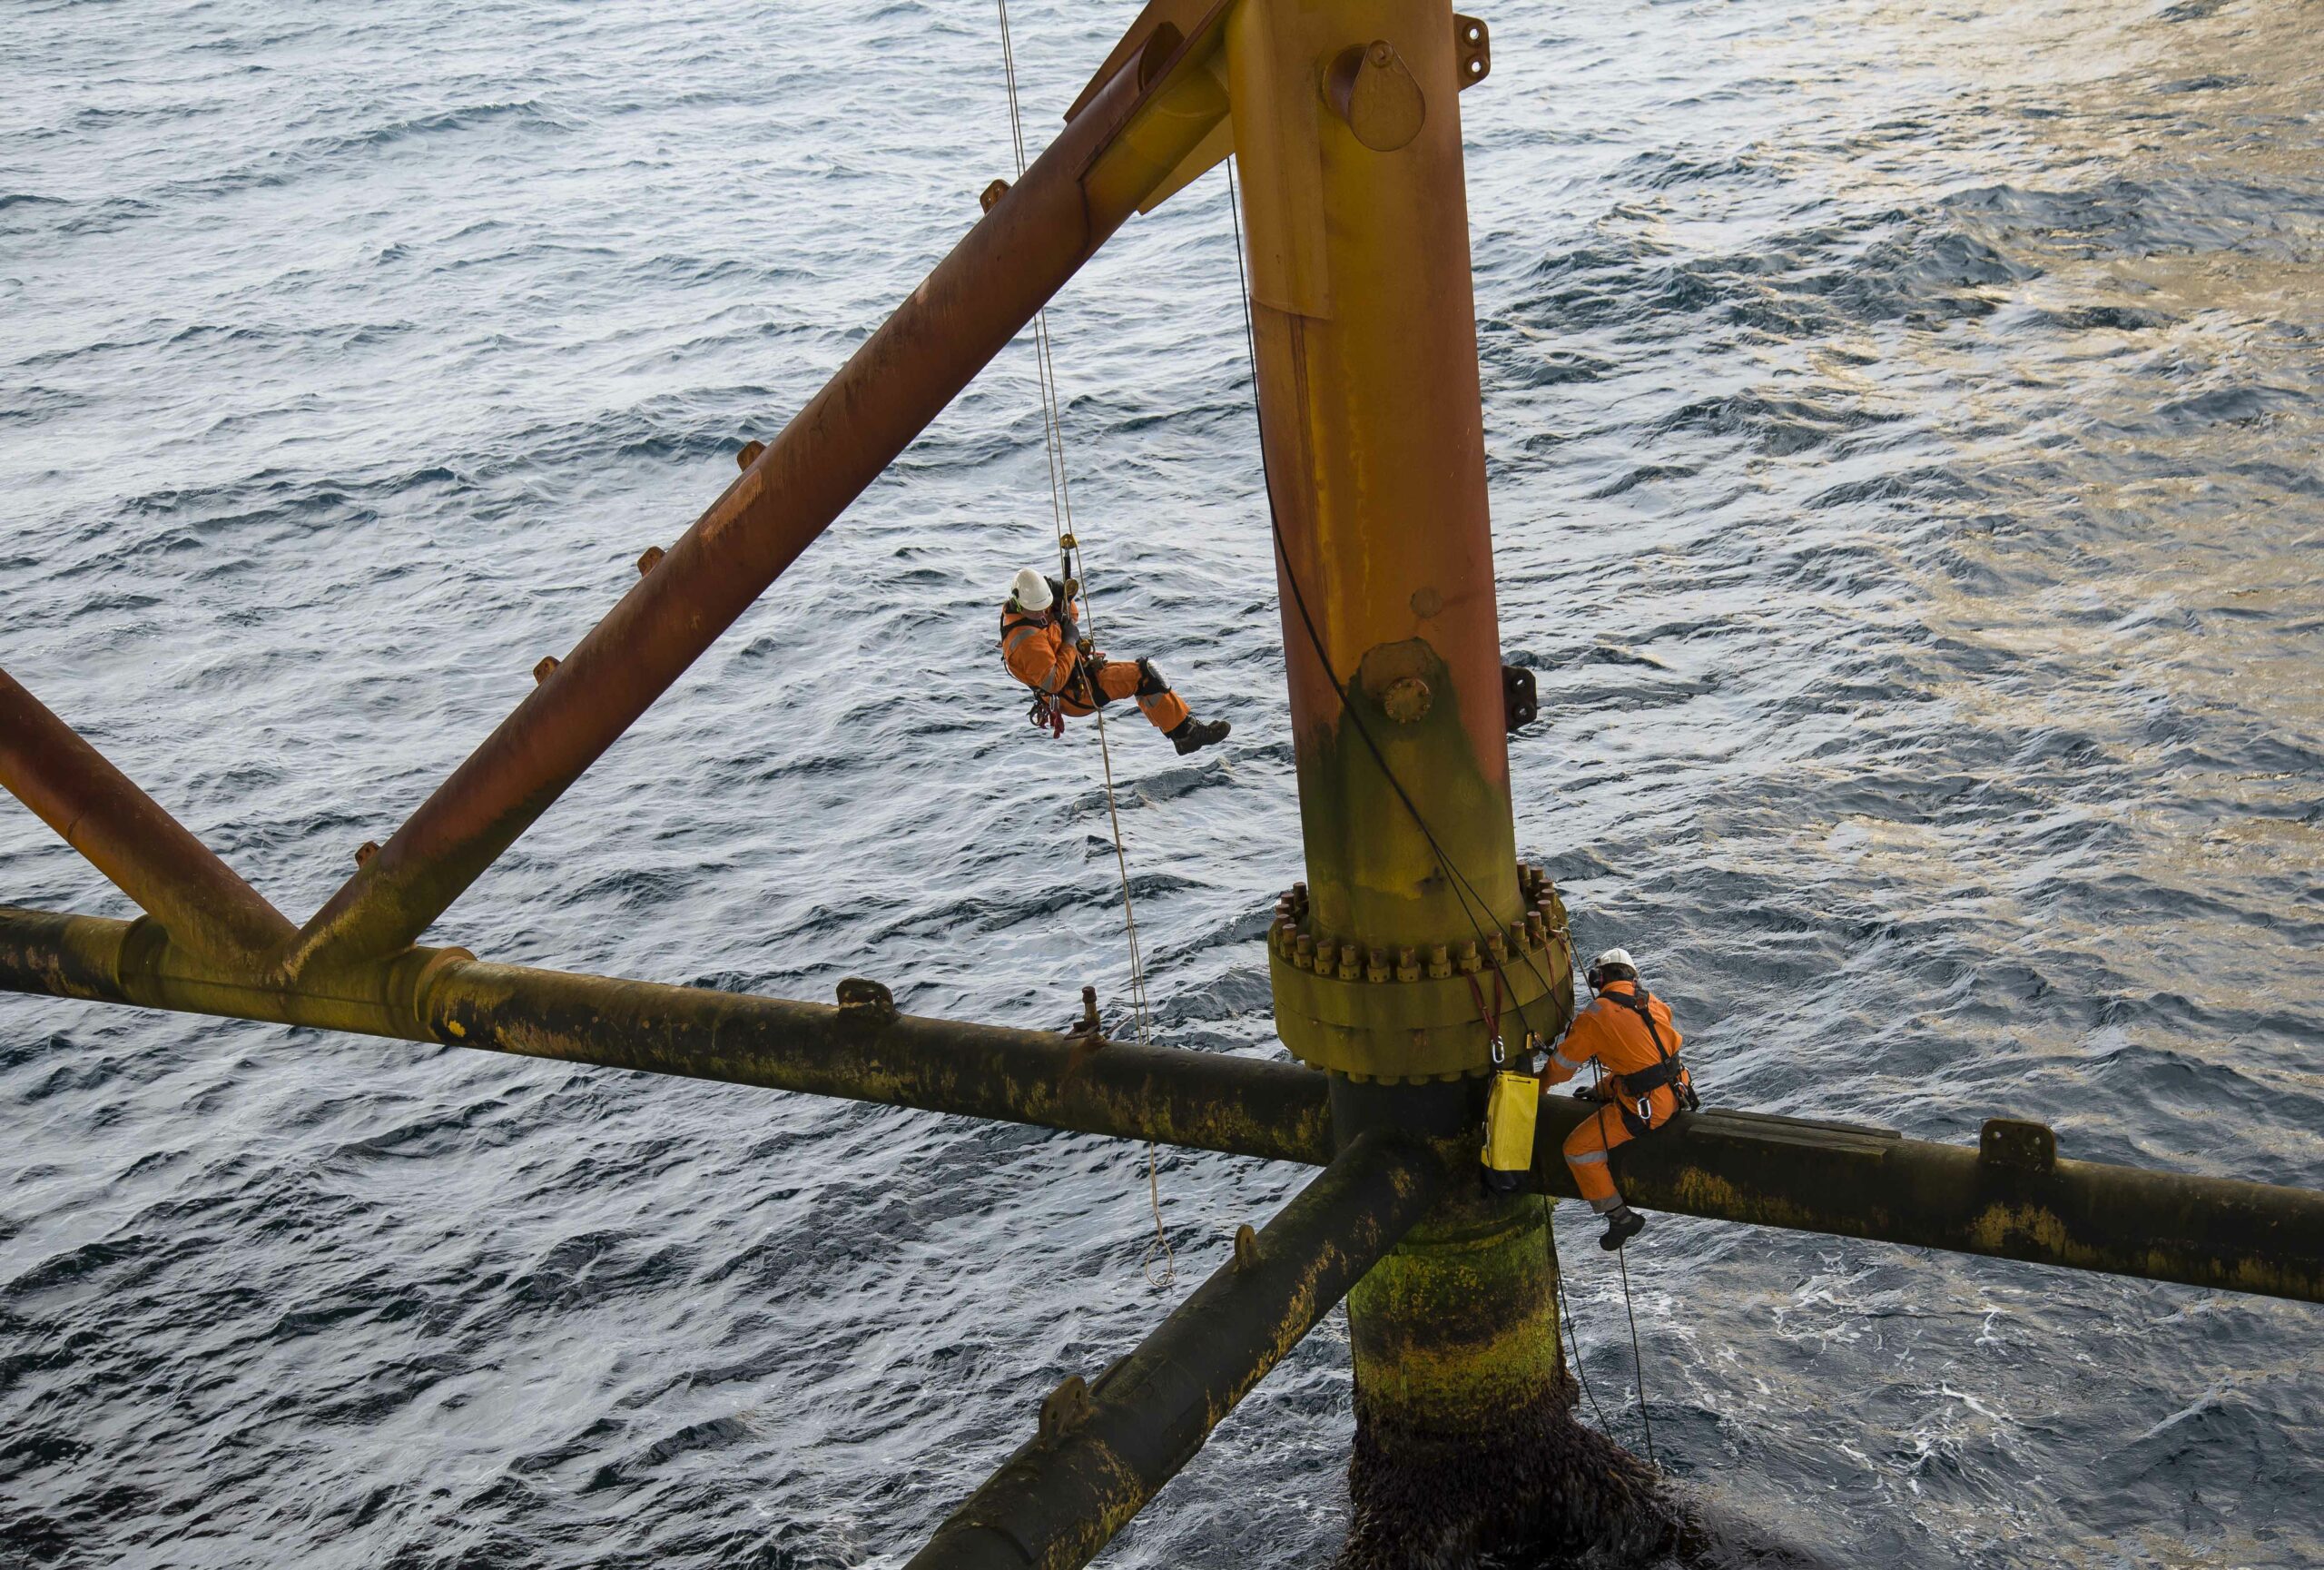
[1904, 425]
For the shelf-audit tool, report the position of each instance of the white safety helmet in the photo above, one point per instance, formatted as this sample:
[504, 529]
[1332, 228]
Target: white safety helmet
[1031, 591]
[1613, 965]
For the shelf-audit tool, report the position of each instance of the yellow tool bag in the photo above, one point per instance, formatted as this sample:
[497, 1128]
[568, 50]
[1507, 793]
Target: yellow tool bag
[1510, 1112]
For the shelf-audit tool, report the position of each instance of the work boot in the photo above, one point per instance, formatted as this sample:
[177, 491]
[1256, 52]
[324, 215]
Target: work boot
[1192, 735]
[1622, 1224]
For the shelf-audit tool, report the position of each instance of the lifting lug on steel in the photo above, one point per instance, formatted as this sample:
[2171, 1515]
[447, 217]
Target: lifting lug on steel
[1370, 87]
[1519, 703]
[749, 455]
[366, 851]
[993, 193]
[1471, 49]
[546, 668]
[648, 559]
[860, 999]
[1247, 1248]
[1065, 1408]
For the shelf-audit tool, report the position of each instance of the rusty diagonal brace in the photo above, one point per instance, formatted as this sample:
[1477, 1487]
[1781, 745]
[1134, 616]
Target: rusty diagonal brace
[147, 854]
[1104, 1449]
[1129, 130]
[1125, 140]
[212, 945]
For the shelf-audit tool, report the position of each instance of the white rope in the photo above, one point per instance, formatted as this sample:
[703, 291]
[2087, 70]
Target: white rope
[1070, 558]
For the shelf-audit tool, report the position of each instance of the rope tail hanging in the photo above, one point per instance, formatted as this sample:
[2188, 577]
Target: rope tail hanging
[1071, 568]
[1638, 1362]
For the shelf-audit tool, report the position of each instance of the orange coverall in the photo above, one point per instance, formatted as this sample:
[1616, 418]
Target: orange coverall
[1612, 1033]
[1039, 656]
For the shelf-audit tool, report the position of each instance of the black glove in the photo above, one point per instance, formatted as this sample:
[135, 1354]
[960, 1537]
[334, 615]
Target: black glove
[1071, 628]
[1588, 1093]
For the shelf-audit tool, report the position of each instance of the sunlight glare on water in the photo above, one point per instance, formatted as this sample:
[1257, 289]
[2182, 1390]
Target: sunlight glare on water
[1903, 425]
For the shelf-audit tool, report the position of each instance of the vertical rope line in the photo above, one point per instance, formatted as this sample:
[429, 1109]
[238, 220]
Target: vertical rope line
[1072, 563]
[1621, 1258]
[1565, 1315]
[1052, 436]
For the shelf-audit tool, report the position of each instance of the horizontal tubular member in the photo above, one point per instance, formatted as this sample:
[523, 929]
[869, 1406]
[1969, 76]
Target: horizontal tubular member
[1122, 145]
[1102, 1451]
[869, 1052]
[2011, 1198]
[146, 853]
[1727, 1166]
[865, 1051]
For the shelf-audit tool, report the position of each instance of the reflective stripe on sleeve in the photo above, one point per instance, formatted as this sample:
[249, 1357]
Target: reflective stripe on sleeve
[1589, 1158]
[1568, 1064]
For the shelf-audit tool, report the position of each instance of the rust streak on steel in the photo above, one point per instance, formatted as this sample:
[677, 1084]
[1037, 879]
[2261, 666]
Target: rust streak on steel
[1034, 239]
[864, 1051]
[126, 835]
[1102, 1451]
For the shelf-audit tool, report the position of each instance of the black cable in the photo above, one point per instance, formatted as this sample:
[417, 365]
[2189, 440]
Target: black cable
[1291, 578]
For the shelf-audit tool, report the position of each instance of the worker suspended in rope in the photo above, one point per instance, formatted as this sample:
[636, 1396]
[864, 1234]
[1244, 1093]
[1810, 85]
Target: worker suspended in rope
[1041, 643]
[1630, 1033]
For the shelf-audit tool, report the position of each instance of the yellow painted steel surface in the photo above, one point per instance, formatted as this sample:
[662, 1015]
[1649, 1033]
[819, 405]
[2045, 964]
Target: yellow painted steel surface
[1357, 232]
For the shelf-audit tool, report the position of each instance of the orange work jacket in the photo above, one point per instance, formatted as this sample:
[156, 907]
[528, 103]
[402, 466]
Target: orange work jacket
[1036, 654]
[1612, 1033]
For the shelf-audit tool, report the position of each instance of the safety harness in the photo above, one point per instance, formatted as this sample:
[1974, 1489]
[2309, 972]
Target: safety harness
[1047, 711]
[1635, 1102]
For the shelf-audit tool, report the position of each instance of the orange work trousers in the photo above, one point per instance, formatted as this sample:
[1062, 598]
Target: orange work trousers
[1587, 1146]
[1119, 679]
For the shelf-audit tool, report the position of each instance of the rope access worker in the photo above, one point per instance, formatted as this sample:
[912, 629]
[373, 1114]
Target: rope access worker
[1041, 641]
[1630, 1033]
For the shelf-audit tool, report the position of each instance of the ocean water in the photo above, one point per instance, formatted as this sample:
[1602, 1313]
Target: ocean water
[1904, 425]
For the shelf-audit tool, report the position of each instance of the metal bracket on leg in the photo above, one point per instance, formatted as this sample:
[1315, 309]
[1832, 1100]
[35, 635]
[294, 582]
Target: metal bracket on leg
[1472, 49]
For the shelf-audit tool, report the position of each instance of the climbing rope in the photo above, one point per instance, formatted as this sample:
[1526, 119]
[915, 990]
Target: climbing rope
[1071, 566]
[1622, 1258]
[1565, 1319]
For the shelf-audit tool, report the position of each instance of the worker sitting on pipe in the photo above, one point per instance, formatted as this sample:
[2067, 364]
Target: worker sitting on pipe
[1041, 642]
[1630, 1033]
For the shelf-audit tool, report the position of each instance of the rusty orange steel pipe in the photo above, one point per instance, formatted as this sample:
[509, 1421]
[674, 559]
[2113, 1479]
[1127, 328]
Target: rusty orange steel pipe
[1114, 151]
[147, 854]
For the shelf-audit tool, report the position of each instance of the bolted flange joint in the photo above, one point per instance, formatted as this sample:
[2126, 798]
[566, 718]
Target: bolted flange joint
[1411, 1014]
